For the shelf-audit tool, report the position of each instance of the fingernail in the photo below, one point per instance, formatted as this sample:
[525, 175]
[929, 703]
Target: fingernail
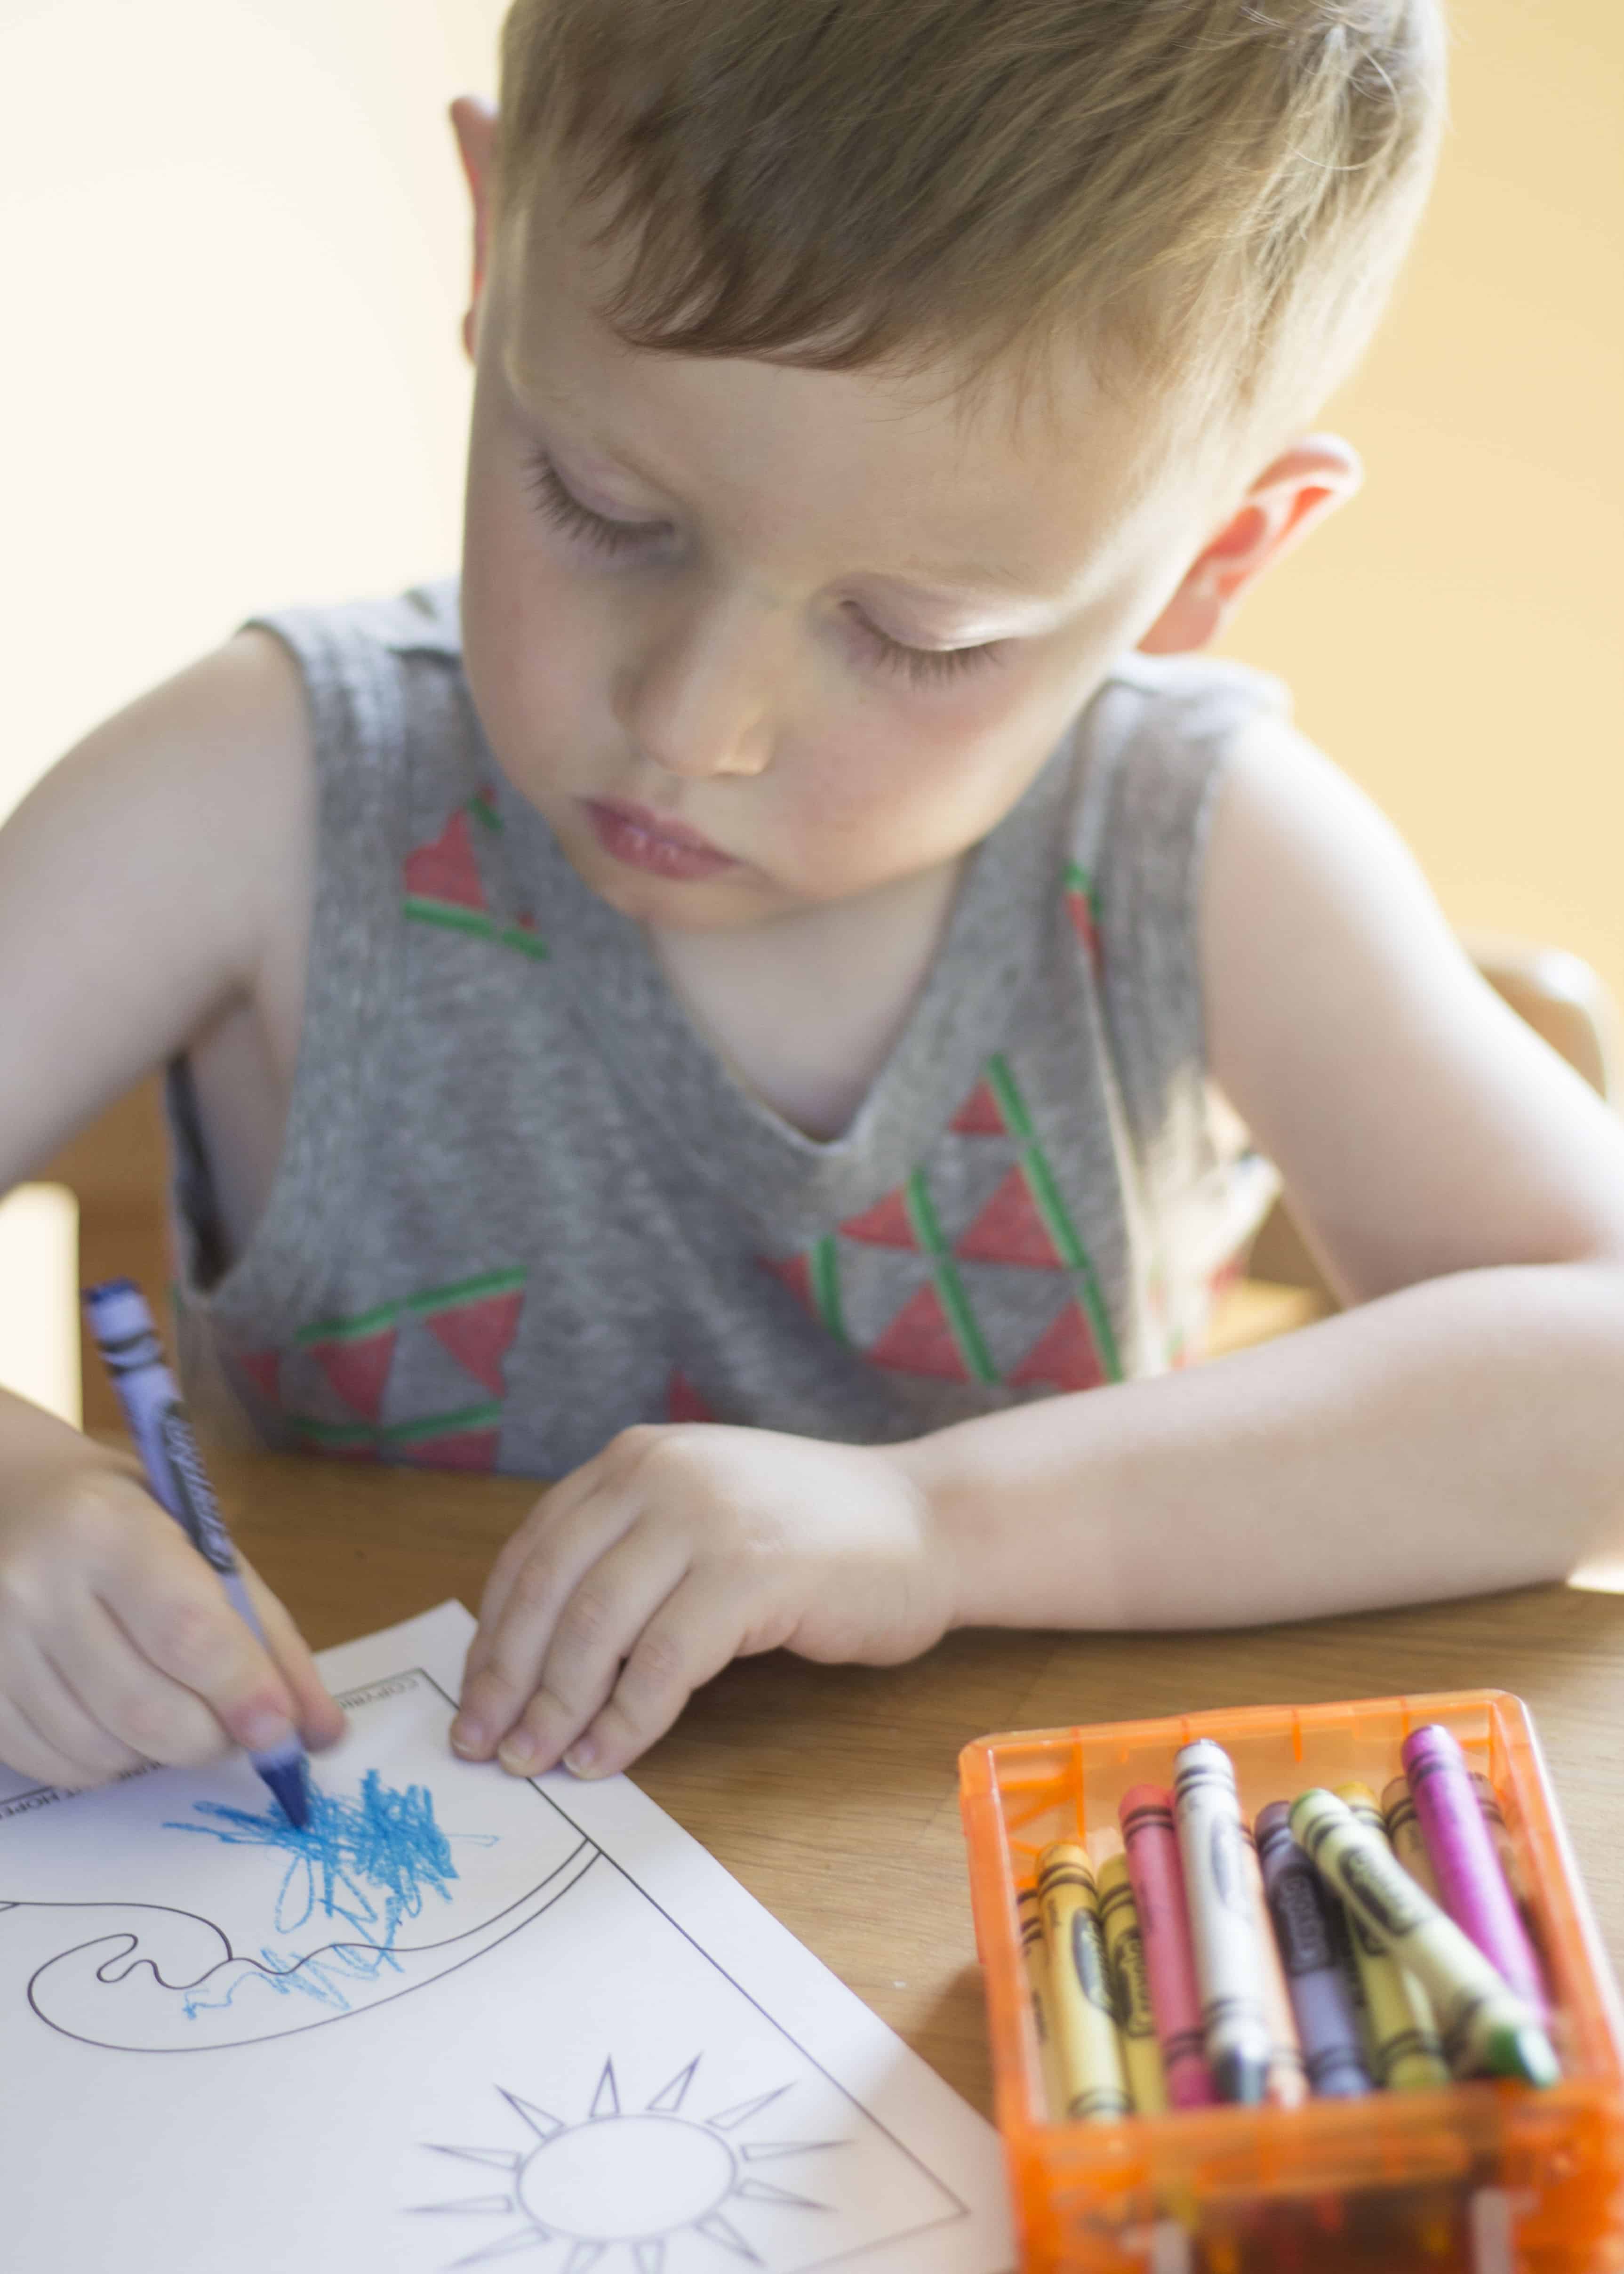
[581, 1758]
[266, 1733]
[520, 1756]
[467, 1736]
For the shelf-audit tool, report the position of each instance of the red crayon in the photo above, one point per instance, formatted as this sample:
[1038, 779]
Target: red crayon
[1152, 1842]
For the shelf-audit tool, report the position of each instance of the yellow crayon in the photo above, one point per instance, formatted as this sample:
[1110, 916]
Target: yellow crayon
[1095, 2086]
[1125, 1959]
[1287, 2085]
[1406, 2054]
[1404, 1835]
[1035, 1953]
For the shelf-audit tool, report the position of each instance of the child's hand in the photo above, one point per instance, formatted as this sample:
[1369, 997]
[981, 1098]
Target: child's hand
[676, 1550]
[117, 1645]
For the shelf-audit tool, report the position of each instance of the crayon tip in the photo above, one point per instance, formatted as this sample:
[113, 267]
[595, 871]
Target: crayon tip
[286, 1780]
[1240, 2078]
[1522, 2052]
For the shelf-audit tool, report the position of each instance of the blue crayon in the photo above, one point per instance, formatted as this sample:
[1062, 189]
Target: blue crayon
[1327, 2018]
[128, 1341]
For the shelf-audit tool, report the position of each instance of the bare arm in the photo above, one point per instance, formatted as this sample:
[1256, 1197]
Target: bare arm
[151, 887]
[1458, 1429]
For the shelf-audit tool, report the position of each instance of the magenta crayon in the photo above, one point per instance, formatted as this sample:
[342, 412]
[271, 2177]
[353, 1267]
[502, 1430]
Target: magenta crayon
[1471, 1886]
[1152, 1843]
[1303, 1913]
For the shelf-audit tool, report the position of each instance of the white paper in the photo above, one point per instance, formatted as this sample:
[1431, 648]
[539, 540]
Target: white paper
[466, 2020]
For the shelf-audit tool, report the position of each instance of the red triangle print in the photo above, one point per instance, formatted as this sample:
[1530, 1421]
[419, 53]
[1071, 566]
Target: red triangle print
[683, 1402]
[919, 1340]
[1063, 1357]
[263, 1369]
[1083, 923]
[360, 1370]
[886, 1225]
[978, 1115]
[796, 1273]
[466, 1448]
[446, 870]
[480, 1336]
[1009, 1229]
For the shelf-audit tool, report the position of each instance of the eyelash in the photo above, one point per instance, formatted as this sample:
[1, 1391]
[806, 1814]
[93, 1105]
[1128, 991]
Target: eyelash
[921, 665]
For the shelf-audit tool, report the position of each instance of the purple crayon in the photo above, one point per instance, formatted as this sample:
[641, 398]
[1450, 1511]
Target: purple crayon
[1327, 2019]
[1471, 1886]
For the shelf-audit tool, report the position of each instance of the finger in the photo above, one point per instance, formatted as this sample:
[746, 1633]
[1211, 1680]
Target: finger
[690, 1638]
[551, 1510]
[556, 1561]
[597, 1631]
[39, 1691]
[23, 1748]
[319, 1715]
[158, 1719]
[176, 1612]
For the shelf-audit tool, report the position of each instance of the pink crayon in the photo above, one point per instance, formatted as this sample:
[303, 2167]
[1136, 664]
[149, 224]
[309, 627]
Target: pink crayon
[1471, 1886]
[1148, 1834]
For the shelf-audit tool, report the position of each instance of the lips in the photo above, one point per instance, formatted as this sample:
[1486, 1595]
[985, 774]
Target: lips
[654, 842]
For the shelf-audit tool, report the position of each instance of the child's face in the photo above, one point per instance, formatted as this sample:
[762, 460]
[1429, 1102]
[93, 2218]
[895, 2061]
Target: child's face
[755, 638]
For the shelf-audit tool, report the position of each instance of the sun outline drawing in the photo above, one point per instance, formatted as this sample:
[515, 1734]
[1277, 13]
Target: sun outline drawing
[644, 2247]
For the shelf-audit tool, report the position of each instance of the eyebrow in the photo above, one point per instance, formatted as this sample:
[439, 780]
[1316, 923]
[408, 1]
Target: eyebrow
[969, 582]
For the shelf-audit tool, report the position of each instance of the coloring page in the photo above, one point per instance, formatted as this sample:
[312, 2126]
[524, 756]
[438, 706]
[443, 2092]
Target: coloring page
[458, 2018]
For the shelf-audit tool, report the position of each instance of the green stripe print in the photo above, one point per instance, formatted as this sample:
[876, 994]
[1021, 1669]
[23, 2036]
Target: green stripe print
[823, 1272]
[950, 1287]
[1054, 1211]
[449, 917]
[345, 1435]
[432, 1299]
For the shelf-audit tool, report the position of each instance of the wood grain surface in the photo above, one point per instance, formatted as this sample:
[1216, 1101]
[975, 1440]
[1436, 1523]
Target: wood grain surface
[831, 1792]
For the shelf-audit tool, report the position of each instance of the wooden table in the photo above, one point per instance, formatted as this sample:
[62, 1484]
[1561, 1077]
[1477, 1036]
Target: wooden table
[831, 1792]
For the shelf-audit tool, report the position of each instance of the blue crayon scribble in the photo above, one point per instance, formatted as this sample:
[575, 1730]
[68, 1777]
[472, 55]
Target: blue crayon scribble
[370, 1862]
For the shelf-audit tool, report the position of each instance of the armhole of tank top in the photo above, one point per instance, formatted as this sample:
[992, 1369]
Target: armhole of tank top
[356, 705]
[1142, 819]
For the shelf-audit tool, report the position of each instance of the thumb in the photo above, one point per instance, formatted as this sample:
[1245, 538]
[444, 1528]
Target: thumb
[320, 1719]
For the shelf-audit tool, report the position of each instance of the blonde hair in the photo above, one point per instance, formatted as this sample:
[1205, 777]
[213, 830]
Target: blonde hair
[1222, 188]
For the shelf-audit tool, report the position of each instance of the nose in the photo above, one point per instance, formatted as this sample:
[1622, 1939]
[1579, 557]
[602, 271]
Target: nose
[698, 698]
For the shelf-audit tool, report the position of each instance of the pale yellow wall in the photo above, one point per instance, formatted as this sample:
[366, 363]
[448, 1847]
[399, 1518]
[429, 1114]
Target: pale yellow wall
[1453, 637]
[234, 252]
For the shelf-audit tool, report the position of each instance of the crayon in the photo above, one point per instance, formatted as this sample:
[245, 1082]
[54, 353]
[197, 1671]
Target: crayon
[128, 1341]
[1125, 1959]
[1224, 1922]
[1035, 1955]
[1401, 2036]
[1094, 2086]
[1486, 2026]
[1511, 1865]
[1398, 1813]
[1471, 1886]
[1288, 2072]
[1150, 1842]
[1301, 1911]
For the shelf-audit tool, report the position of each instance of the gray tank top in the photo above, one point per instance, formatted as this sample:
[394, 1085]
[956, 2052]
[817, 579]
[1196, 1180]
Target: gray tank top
[521, 1204]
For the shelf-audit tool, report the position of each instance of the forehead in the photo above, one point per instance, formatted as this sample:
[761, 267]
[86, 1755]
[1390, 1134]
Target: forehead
[1030, 478]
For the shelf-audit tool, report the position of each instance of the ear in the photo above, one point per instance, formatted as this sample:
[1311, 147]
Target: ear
[1289, 498]
[474, 124]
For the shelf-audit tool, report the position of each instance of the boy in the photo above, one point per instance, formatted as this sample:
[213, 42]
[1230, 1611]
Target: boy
[738, 1001]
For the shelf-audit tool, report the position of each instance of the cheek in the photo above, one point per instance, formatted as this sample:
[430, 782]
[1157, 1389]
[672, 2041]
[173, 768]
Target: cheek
[899, 787]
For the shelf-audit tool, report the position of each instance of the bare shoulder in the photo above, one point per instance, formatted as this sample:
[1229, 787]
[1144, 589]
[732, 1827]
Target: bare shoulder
[1421, 1127]
[156, 879]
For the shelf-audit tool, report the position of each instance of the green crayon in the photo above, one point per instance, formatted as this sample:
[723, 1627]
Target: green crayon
[1485, 2026]
[1405, 2054]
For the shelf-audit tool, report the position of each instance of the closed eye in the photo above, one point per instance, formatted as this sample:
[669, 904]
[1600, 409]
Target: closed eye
[566, 511]
[924, 667]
